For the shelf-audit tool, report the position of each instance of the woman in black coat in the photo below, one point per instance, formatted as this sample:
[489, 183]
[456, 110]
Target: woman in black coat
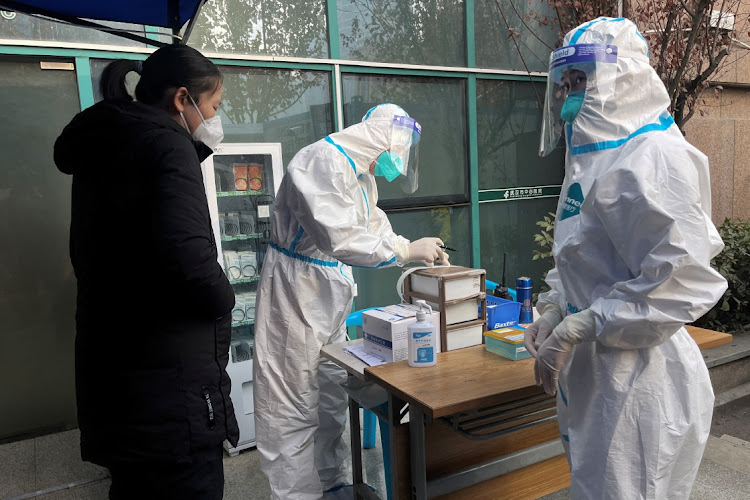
[153, 322]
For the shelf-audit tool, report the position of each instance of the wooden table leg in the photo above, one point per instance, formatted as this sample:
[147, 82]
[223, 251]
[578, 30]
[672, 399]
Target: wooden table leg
[418, 461]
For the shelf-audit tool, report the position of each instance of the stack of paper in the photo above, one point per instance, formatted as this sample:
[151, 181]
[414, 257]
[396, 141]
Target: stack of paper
[359, 352]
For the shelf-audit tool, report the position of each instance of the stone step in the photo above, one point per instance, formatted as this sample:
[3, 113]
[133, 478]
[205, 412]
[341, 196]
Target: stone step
[729, 364]
[736, 441]
[729, 452]
[732, 394]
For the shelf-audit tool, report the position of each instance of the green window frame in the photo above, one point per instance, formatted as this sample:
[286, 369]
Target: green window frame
[335, 67]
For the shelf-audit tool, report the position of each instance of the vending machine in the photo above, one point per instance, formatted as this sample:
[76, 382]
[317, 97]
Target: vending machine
[241, 181]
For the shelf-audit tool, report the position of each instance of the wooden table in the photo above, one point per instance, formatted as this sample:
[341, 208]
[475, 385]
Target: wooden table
[470, 394]
[706, 339]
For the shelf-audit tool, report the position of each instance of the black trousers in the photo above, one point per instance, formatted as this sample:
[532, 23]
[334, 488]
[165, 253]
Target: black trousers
[203, 479]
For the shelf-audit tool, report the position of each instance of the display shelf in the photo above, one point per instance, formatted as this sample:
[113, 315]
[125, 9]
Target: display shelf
[240, 228]
[244, 280]
[238, 324]
[238, 237]
[223, 194]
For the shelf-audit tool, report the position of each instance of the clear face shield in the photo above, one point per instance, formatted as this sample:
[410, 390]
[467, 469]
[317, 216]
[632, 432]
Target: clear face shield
[400, 164]
[577, 73]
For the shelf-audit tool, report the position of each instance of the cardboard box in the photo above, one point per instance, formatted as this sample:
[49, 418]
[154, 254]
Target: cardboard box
[384, 330]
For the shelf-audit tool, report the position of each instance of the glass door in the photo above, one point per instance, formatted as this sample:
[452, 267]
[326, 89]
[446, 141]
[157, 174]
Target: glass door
[241, 181]
[37, 285]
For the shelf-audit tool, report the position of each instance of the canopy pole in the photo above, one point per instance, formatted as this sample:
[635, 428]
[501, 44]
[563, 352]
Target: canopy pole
[191, 23]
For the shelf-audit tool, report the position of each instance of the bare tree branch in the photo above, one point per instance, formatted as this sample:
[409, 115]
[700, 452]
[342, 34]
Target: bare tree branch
[700, 12]
[528, 27]
[692, 87]
[686, 8]
[665, 39]
[717, 31]
[528, 72]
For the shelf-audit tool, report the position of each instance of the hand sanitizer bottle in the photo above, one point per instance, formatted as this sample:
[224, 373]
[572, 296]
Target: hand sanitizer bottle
[422, 340]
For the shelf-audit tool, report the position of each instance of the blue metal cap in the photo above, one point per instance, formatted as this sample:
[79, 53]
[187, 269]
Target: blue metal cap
[523, 282]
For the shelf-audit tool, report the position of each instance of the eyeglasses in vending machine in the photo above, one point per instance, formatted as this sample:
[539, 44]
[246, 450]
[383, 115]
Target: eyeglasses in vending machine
[241, 181]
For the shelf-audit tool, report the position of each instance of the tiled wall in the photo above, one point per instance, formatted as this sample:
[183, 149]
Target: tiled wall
[723, 134]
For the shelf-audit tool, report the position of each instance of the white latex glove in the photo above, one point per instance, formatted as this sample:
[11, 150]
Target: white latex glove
[427, 250]
[444, 259]
[555, 351]
[549, 361]
[537, 332]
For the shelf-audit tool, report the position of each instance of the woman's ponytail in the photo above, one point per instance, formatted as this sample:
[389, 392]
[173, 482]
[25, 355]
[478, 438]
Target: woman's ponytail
[162, 73]
[112, 83]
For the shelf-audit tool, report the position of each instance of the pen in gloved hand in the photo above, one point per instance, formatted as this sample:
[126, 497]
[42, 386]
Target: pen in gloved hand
[448, 248]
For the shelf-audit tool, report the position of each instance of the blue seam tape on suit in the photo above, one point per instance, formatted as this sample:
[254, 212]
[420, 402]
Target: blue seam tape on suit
[562, 394]
[351, 162]
[296, 239]
[664, 123]
[324, 263]
[303, 258]
[586, 26]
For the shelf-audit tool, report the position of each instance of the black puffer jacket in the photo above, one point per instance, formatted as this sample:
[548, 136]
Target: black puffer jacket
[153, 322]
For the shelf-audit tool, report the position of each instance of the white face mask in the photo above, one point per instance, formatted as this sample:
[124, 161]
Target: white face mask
[209, 132]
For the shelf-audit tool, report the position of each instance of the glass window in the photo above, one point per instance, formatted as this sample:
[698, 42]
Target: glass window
[37, 284]
[514, 34]
[430, 32]
[163, 34]
[439, 104]
[263, 27]
[509, 119]
[510, 226]
[377, 287]
[18, 26]
[292, 107]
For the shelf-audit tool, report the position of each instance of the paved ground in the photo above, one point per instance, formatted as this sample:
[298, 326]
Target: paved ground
[49, 467]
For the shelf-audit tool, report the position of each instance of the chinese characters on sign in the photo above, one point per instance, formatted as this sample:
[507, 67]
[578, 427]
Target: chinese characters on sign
[522, 193]
[519, 193]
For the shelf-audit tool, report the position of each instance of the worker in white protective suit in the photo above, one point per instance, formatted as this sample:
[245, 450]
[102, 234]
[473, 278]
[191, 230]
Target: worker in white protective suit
[325, 220]
[633, 242]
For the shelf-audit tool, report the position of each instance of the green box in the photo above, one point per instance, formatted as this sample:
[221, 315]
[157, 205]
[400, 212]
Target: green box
[507, 342]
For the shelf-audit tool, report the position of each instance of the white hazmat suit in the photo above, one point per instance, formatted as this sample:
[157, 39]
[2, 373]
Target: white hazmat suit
[633, 243]
[325, 220]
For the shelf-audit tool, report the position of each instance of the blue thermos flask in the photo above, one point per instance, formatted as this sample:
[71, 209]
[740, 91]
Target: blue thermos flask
[523, 295]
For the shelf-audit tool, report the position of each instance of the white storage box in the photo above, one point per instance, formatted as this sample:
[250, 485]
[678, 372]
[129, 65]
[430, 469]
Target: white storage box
[384, 330]
[464, 337]
[458, 313]
[455, 288]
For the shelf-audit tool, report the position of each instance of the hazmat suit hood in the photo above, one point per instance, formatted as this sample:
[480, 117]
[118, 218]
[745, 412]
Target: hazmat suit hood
[388, 137]
[363, 143]
[623, 92]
